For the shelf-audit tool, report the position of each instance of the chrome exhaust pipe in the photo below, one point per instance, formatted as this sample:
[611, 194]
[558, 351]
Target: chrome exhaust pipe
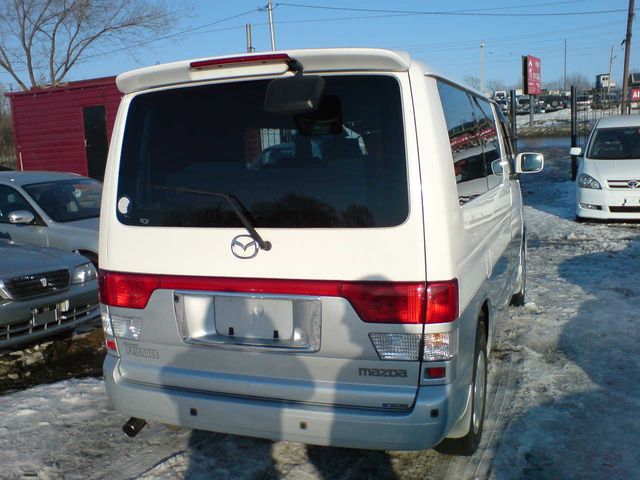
[133, 426]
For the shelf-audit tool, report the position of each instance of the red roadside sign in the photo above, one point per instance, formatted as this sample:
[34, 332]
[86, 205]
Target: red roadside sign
[635, 94]
[532, 72]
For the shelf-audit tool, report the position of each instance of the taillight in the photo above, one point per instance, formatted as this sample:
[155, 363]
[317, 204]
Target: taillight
[126, 289]
[387, 302]
[442, 301]
[222, 62]
[374, 302]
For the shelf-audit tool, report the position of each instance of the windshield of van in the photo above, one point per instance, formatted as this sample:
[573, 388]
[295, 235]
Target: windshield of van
[343, 165]
[615, 143]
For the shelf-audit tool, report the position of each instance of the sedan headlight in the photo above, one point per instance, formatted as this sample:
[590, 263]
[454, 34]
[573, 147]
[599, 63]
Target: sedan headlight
[84, 273]
[587, 181]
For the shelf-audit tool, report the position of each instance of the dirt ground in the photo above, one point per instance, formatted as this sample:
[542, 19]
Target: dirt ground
[75, 357]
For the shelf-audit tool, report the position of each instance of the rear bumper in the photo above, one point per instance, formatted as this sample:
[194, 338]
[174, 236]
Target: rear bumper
[417, 429]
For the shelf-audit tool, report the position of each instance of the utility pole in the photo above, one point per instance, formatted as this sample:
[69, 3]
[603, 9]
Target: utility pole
[627, 54]
[609, 83]
[481, 67]
[273, 37]
[565, 65]
[250, 48]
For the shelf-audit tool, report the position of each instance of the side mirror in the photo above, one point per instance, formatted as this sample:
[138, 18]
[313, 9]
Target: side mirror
[575, 151]
[293, 95]
[497, 167]
[528, 162]
[22, 217]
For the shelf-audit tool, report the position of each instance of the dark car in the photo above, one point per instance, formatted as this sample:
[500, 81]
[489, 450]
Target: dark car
[44, 292]
[553, 102]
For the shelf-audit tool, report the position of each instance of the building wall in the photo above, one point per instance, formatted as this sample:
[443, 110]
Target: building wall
[48, 123]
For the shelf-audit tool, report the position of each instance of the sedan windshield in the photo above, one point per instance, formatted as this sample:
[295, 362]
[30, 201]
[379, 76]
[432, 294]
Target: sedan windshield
[615, 143]
[67, 200]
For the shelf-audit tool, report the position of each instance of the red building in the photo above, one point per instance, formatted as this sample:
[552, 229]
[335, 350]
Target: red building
[65, 128]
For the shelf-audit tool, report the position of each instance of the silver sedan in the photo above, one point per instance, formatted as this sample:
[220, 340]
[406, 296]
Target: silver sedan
[51, 209]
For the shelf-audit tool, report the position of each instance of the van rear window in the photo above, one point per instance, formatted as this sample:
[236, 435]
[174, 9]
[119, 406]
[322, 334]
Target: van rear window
[344, 167]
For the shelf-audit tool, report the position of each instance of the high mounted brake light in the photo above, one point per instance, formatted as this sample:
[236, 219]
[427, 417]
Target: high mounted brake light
[374, 302]
[246, 59]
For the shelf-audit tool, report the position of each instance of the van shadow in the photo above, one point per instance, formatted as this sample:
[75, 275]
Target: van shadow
[591, 430]
[216, 455]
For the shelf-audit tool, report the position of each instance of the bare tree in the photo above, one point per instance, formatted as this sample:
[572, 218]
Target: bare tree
[473, 82]
[580, 81]
[495, 85]
[41, 40]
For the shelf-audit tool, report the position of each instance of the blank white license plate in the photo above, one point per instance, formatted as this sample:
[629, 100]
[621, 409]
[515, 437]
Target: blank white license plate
[254, 317]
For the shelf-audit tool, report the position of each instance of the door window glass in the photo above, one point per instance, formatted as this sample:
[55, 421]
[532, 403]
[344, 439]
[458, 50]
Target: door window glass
[11, 201]
[468, 159]
[487, 132]
[505, 134]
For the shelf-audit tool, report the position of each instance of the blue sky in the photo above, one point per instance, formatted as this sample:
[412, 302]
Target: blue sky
[450, 43]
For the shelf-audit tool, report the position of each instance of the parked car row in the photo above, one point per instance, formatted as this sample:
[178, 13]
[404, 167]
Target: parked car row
[542, 103]
[48, 255]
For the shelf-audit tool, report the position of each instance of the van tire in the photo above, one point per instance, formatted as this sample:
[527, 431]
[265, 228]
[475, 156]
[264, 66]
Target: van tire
[467, 445]
[518, 298]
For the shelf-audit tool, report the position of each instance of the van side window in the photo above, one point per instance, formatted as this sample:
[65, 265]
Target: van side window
[487, 132]
[468, 159]
[505, 134]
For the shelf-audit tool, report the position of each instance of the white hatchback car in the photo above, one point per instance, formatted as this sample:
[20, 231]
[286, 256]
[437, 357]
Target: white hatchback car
[608, 180]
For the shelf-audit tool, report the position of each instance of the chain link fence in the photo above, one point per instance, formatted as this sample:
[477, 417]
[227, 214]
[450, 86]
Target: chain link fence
[592, 106]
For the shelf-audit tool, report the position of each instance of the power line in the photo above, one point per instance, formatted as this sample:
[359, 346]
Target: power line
[508, 39]
[453, 12]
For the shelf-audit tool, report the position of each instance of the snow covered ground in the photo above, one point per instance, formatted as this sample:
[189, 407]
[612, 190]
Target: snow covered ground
[564, 386]
[557, 118]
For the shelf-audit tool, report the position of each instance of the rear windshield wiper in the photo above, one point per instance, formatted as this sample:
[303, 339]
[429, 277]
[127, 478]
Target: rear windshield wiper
[237, 206]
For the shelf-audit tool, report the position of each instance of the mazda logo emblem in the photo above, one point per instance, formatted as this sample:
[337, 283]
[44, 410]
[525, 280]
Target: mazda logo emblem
[634, 184]
[244, 246]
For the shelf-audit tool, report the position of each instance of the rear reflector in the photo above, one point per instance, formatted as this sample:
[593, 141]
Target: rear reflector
[375, 302]
[230, 61]
[436, 372]
[111, 346]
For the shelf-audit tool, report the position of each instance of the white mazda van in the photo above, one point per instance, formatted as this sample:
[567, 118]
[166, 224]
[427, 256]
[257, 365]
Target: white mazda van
[342, 289]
